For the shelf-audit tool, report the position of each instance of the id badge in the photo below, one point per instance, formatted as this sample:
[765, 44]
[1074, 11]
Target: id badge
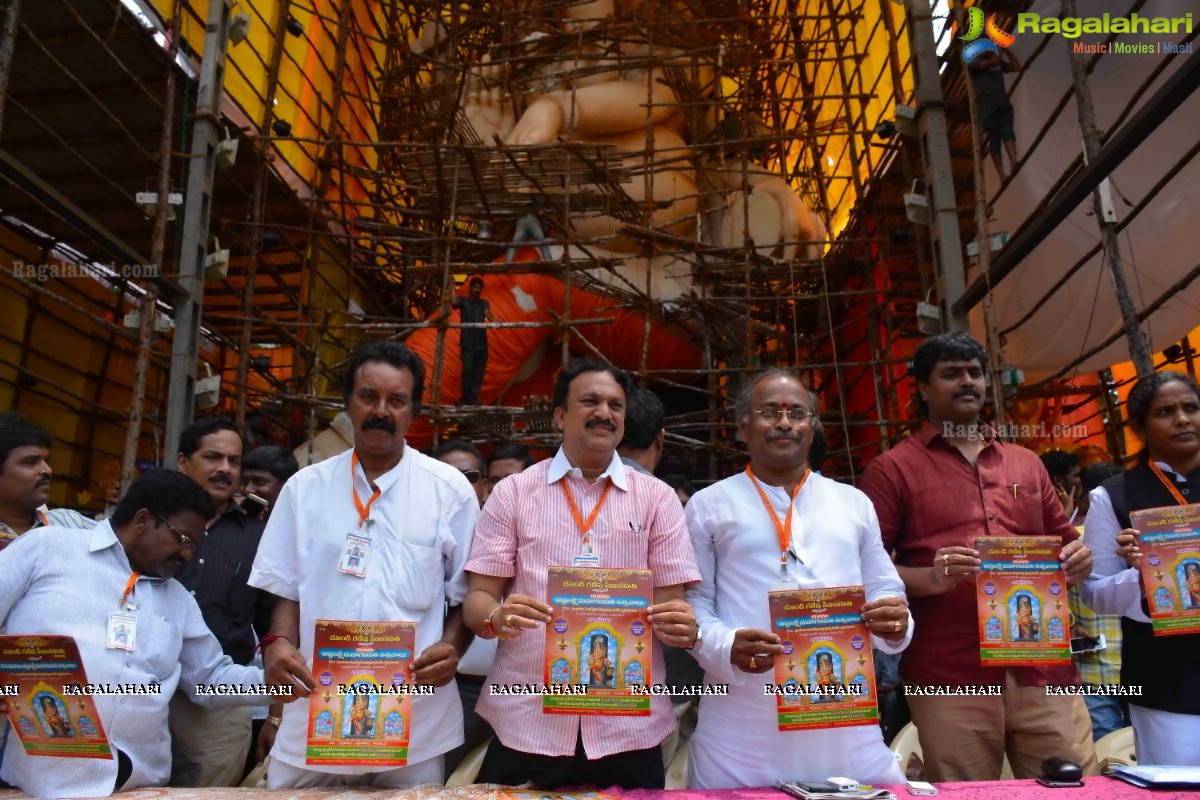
[122, 631]
[586, 559]
[354, 555]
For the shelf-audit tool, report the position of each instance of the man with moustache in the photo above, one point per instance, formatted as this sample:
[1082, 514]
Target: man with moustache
[376, 534]
[780, 525]
[56, 582]
[934, 493]
[25, 477]
[210, 745]
[542, 518]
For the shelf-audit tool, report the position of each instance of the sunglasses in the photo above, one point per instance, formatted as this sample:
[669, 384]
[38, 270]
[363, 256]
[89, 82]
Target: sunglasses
[472, 475]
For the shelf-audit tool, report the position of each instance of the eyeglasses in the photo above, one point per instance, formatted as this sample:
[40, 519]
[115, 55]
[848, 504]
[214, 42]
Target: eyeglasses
[185, 541]
[771, 414]
[472, 475]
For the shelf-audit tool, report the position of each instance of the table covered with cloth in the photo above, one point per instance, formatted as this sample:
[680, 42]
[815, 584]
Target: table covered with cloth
[1108, 788]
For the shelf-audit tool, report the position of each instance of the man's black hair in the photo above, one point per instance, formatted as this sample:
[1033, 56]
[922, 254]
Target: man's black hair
[1059, 463]
[16, 431]
[1095, 474]
[275, 460]
[389, 352]
[474, 281]
[579, 366]
[163, 493]
[515, 451]
[460, 446]
[644, 418]
[1137, 405]
[818, 449]
[189, 440]
[953, 346]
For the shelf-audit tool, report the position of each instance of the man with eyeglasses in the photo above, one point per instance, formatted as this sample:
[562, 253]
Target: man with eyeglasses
[210, 745]
[466, 458]
[779, 525]
[59, 582]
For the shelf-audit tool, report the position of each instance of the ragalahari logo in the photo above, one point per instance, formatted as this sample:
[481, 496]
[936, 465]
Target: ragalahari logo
[976, 27]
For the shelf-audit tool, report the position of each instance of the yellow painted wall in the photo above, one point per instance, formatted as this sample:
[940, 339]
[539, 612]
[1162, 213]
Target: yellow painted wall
[63, 363]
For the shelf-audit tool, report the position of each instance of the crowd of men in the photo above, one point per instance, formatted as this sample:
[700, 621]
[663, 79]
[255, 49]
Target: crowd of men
[226, 564]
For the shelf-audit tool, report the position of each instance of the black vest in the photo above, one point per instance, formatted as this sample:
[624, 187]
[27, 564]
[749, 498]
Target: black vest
[1166, 667]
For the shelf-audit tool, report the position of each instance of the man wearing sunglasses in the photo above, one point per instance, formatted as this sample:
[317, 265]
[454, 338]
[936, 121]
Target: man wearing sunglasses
[111, 589]
[474, 665]
[466, 458]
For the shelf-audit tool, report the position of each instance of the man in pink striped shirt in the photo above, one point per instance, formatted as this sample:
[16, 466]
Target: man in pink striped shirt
[526, 527]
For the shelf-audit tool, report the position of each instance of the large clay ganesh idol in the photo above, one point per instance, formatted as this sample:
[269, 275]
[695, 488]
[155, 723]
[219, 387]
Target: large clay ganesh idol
[598, 74]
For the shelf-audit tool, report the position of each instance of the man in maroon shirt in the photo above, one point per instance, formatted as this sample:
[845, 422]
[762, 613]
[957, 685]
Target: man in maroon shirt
[934, 493]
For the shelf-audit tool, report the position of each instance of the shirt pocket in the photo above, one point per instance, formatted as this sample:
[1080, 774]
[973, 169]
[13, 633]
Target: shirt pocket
[158, 644]
[414, 575]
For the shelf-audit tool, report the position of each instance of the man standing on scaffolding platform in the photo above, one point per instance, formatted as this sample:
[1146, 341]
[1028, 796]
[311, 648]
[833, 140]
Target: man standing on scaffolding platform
[995, 112]
[473, 341]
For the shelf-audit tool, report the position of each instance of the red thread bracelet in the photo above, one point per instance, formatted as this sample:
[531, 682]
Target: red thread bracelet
[267, 640]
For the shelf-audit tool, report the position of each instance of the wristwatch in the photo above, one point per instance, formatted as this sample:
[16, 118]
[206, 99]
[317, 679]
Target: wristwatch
[276, 721]
[696, 641]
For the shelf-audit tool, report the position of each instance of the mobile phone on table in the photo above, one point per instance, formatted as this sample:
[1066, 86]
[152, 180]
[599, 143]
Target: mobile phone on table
[921, 788]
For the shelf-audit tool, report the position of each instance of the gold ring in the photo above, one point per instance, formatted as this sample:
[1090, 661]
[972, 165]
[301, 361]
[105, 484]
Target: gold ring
[753, 663]
[947, 572]
[508, 620]
[945, 558]
[898, 624]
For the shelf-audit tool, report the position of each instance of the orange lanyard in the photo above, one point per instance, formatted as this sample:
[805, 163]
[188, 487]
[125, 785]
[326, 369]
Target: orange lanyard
[42, 516]
[133, 576]
[782, 528]
[1170, 484]
[585, 527]
[363, 511]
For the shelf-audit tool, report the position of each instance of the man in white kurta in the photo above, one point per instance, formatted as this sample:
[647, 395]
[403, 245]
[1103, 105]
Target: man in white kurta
[834, 541]
[420, 527]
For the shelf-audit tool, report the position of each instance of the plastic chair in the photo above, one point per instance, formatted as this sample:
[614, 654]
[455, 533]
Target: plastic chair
[1116, 749]
[466, 771]
[908, 744]
[677, 771]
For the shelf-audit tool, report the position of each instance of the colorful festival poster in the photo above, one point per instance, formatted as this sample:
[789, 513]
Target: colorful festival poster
[36, 674]
[359, 714]
[1170, 543]
[825, 677]
[1021, 597]
[599, 645]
